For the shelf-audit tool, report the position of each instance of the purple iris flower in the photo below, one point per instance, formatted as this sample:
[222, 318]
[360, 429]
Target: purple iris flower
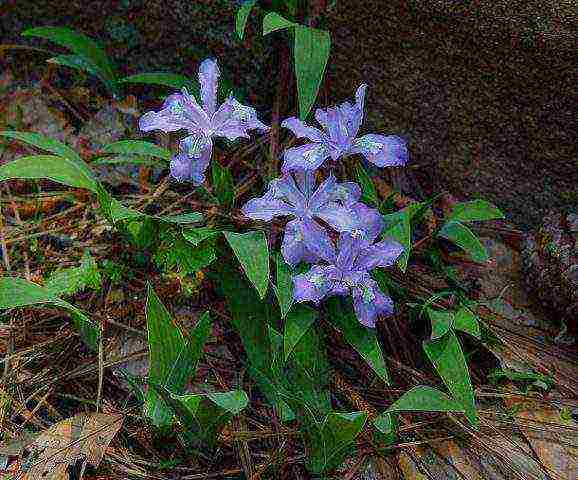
[339, 138]
[181, 111]
[295, 195]
[347, 273]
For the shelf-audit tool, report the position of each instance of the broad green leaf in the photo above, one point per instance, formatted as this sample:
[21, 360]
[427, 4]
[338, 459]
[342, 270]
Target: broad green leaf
[137, 147]
[51, 167]
[467, 321]
[78, 43]
[252, 251]
[17, 292]
[273, 22]
[76, 62]
[242, 16]
[369, 193]
[464, 238]
[475, 210]
[398, 227]
[329, 443]
[386, 425]
[126, 160]
[198, 235]
[171, 80]
[173, 357]
[425, 399]
[296, 325]
[176, 254]
[441, 322]
[362, 339]
[182, 218]
[312, 48]
[448, 359]
[43, 143]
[69, 281]
[284, 287]
[223, 184]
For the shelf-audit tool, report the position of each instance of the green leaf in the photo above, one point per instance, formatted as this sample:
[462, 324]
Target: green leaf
[362, 339]
[173, 357]
[296, 325]
[425, 399]
[284, 288]
[252, 251]
[242, 16]
[17, 292]
[79, 44]
[137, 147]
[196, 236]
[76, 62]
[172, 80]
[331, 441]
[69, 281]
[51, 167]
[464, 238]
[312, 48]
[386, 425]
[42, 142]
[223, 184]
[369, 193]
[176, 254]
[398, 227]
[126, 160]
[467, 321]
[181, 218]
[475, 210]
[441, 322]
[273, 22]
[448, 359]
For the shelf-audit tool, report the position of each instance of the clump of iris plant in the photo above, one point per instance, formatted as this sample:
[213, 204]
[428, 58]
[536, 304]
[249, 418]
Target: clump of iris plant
[181, 111]
[339, 138]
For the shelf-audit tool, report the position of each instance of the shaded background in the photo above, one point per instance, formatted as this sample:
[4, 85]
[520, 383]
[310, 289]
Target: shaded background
[485, 90]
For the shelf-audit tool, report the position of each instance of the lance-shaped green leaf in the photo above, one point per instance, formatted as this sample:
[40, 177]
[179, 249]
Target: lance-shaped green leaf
[296, 325]
[165, 79]
[173, 357]
[204, 415]
[17, 292]
[369, 193]
[425, 399]
[51, 167]
[284, 287]
[223, 184]
[75, 62]
[82, 46]
[252, 251]
[137, 147]
[363, 340]
[69, 281]
[448, 359]
[475, 210]
[386, 425]
[464, 238]
[196, 236]
[441, 322]
[242, 16]
[43, 142]
[273, 22]
[331, 441]
[311, 52]
[467, 321]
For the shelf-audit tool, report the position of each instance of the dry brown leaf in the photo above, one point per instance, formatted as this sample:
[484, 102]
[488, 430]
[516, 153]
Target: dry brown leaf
[83, 437]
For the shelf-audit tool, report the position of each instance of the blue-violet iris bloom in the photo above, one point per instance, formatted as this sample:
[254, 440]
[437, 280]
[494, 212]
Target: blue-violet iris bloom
[295, 195]
[339, 138]
[181, 111]
[347, 273]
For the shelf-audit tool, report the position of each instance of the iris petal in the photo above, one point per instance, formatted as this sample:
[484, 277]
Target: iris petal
[382, 150]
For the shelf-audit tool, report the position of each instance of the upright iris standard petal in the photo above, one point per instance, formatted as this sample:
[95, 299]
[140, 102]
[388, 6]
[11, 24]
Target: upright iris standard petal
[340, 128]
[208, 80]
[369, 302]
[382, 150]
[181, 111]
